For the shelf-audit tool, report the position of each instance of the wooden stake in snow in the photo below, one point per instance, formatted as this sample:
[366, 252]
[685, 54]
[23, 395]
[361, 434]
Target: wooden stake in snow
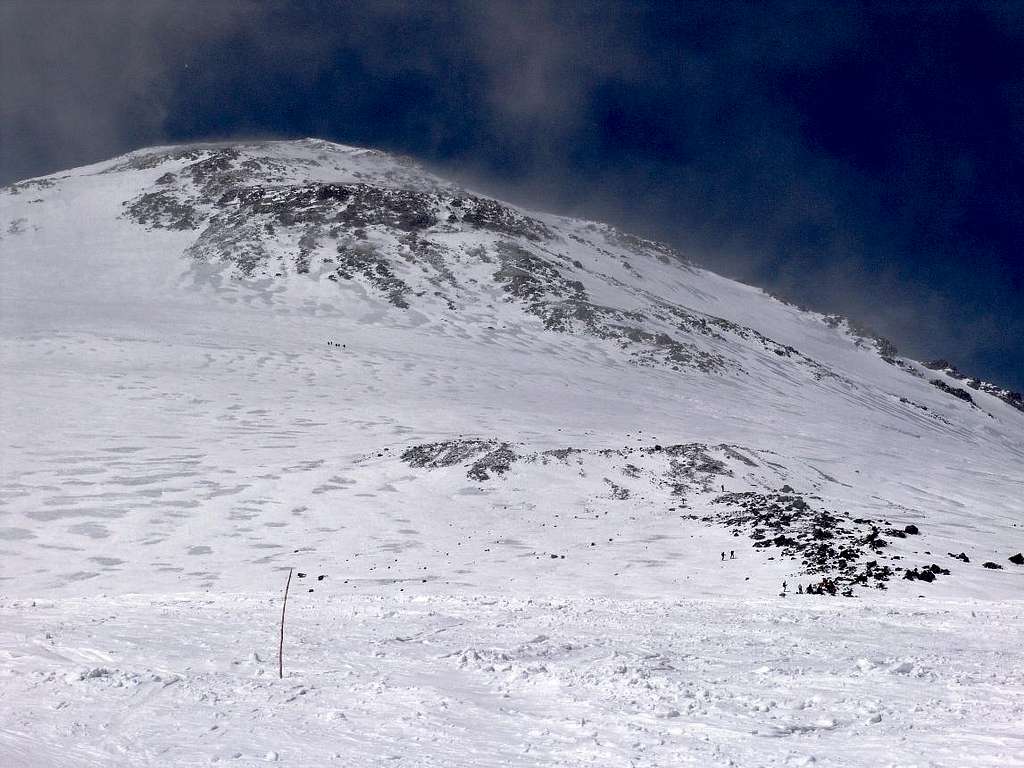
[280, 644]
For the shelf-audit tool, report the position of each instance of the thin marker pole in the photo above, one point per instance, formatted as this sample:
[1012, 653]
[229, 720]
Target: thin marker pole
[280, 644]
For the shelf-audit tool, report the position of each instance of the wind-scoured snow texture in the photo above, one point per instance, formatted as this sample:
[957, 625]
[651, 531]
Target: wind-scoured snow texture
[443, 681]
[218, 362]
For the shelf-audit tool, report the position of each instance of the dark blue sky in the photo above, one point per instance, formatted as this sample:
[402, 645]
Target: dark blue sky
[861, 158]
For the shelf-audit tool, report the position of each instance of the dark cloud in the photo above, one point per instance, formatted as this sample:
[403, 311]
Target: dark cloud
[863, 158]
[80, 80]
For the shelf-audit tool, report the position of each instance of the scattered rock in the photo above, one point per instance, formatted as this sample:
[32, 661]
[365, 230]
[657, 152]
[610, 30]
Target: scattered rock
[1013, 399]
[913, 574]
[489, 456]
[826, 542]
[689, 465]
[954, 391]
[94, 673]
[1017, 559]
[926, 573]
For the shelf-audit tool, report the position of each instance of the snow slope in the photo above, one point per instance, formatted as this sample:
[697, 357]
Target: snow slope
[480, 425]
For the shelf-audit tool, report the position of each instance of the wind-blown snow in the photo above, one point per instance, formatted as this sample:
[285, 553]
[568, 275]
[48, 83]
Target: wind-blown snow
[245, 371]
[442, 680]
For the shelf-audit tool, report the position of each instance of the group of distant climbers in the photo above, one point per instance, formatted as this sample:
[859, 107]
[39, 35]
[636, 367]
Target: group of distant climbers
[824, 587]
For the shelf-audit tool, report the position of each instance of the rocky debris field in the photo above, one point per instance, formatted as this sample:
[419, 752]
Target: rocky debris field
[836, 551]
[827, 544]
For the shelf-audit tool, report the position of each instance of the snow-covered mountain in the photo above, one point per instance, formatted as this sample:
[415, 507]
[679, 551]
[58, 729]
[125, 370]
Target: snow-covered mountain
[221, 361]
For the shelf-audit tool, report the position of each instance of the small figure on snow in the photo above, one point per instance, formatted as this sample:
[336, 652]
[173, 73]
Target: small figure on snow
[732, 555]
[723, 557]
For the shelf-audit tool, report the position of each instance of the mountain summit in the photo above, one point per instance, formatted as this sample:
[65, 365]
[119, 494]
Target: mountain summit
[543, 492]
[303, 339]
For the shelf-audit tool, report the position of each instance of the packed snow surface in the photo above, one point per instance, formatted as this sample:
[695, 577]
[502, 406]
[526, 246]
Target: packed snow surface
[543, 482]
[442, 680]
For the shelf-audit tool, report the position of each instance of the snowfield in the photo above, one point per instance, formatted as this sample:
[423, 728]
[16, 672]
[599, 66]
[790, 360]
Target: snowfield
[439, 680]
[510, 454]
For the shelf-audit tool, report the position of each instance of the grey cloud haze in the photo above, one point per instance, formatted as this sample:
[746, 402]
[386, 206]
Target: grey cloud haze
[860, 158]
